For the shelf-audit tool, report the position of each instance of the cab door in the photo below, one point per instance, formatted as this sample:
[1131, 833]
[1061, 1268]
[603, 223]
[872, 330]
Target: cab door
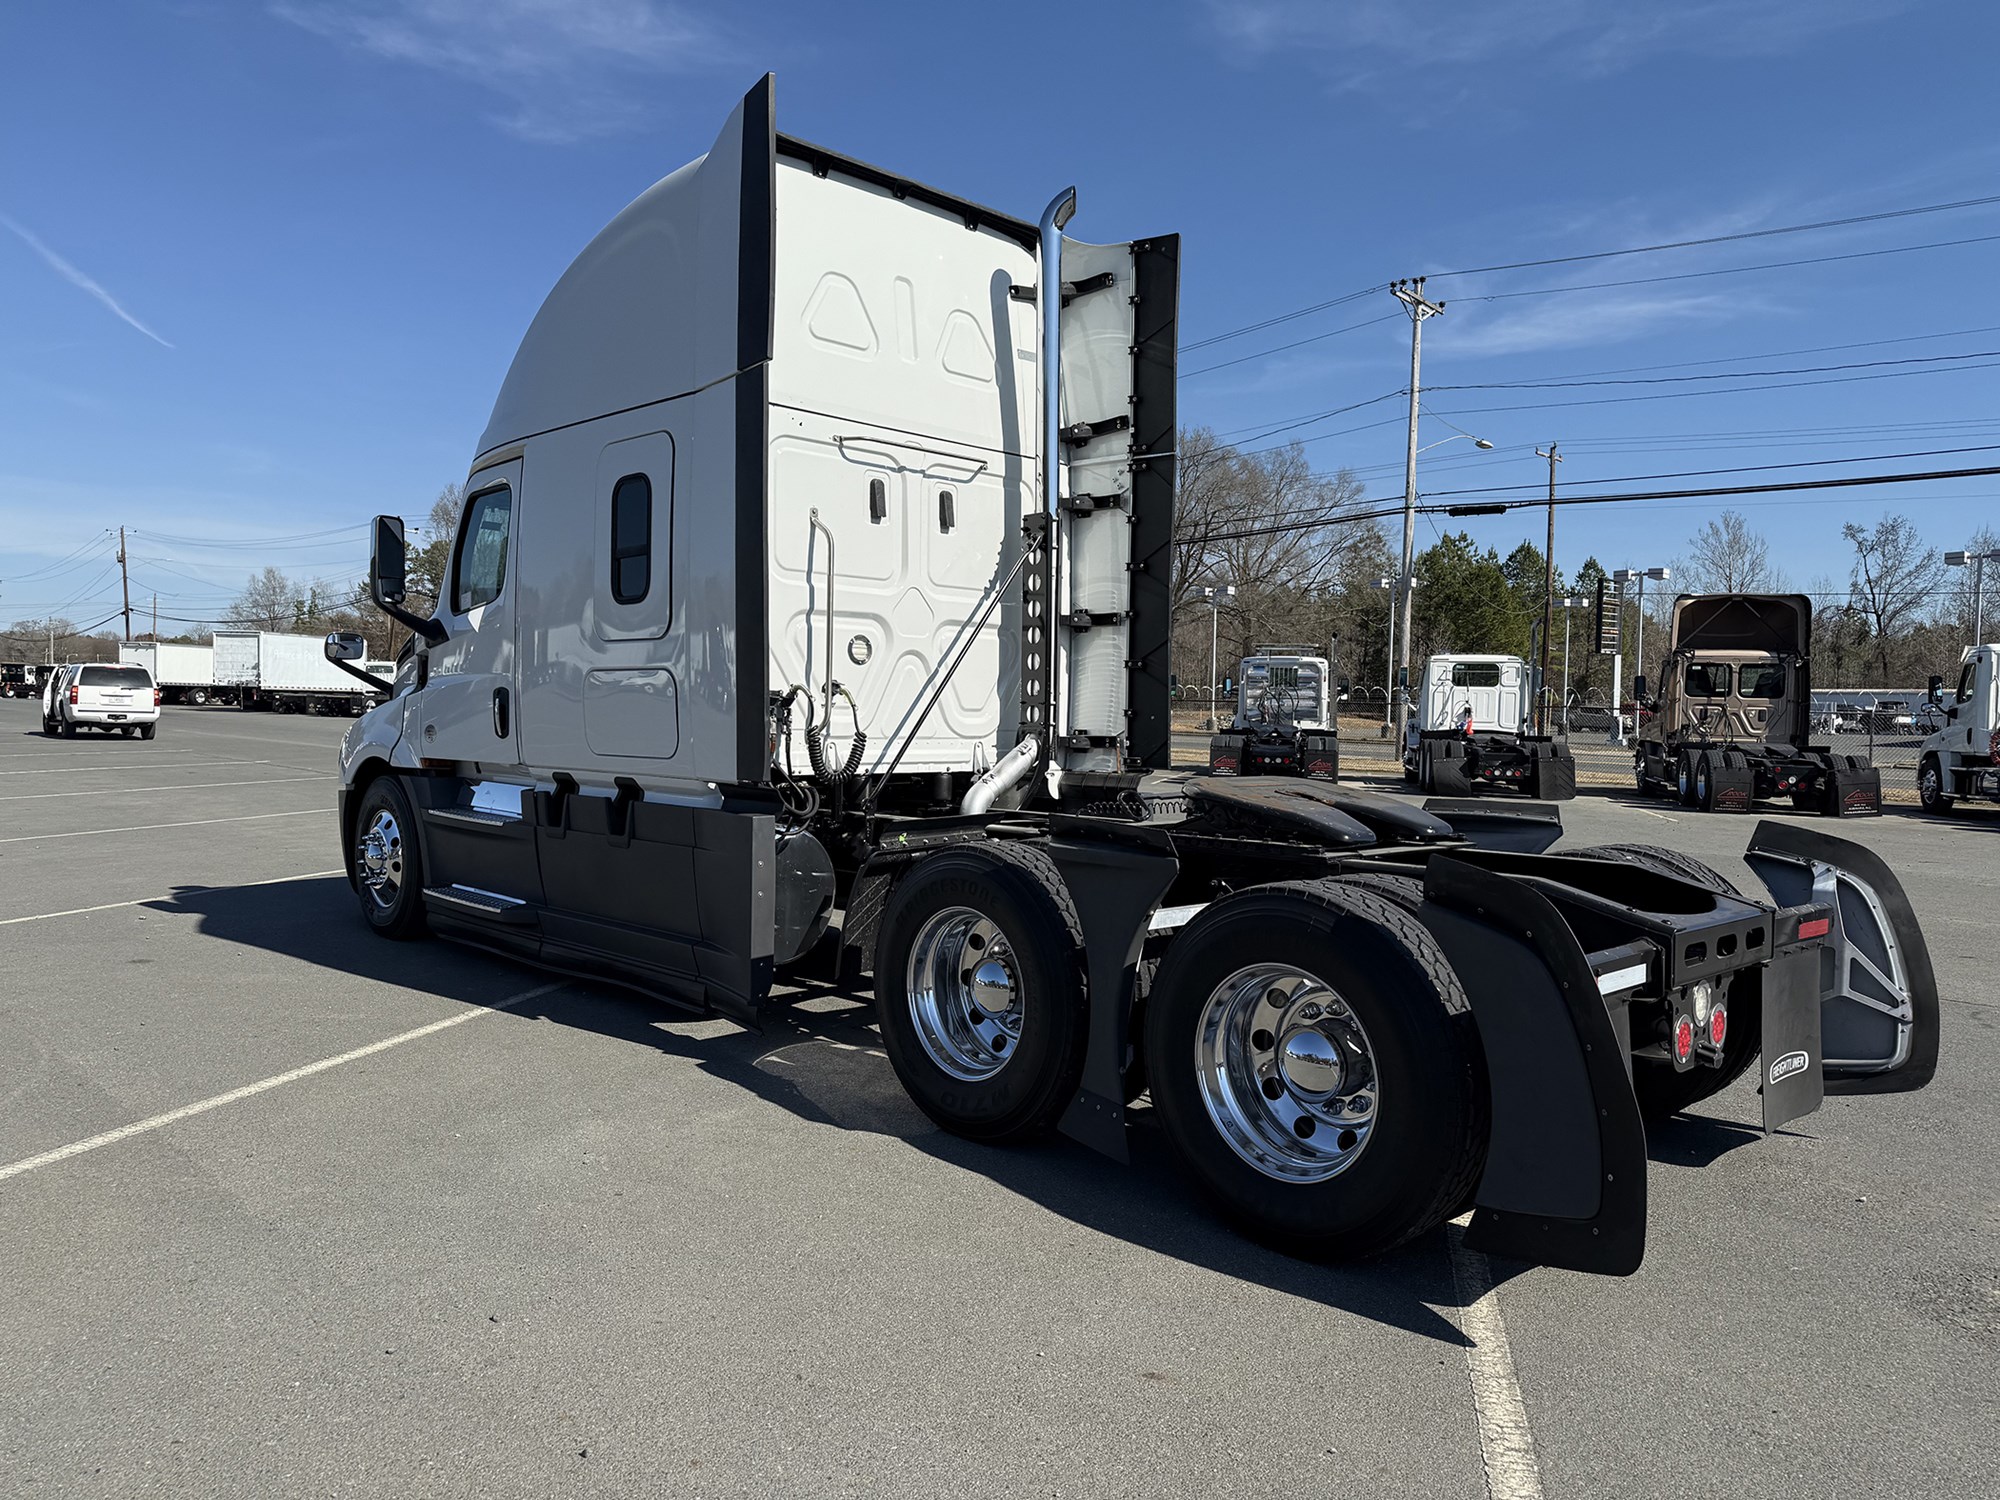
[466, 711]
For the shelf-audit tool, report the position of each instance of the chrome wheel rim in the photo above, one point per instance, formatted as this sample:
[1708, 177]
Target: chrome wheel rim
[1928, 783]
[1287, 1073]
[964, 993]
[1701, 782]
[378, 855]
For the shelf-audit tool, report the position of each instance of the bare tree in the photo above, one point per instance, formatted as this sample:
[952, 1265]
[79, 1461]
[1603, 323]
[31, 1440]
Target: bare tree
[429, 562]
[1894, 574]
[270, 601]
[1727, 557]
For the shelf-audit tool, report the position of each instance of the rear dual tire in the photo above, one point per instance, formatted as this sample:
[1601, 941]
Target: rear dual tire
[1313, 1059]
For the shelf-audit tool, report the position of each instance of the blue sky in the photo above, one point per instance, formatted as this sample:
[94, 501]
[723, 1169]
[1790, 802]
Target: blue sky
[262, 265]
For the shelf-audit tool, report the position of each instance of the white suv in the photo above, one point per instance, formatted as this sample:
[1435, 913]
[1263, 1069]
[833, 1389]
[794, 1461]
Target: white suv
[102, 695]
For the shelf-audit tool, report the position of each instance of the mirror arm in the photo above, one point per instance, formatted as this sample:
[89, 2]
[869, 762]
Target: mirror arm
[368, 677]
[433, 634]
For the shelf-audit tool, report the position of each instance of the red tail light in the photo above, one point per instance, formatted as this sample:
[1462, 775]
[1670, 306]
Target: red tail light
[72, 695]
[156, 697]
[1683, 1039]
[1718, 1026]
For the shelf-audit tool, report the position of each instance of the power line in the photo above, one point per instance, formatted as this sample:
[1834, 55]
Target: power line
[1804, 463]
[1864, 364]
[1381, 511]
[1281, 348]
[1781, 385]
[1725, 239]
[1304, 312]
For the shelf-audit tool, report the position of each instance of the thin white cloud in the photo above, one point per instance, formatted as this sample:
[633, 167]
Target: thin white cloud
[77, 278]
[1581, 323]
[1359, 39]
[562, 70]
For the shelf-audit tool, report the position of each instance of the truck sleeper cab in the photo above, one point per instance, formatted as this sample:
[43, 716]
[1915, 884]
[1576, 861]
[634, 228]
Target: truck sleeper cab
[1733, 723]
[809, 615]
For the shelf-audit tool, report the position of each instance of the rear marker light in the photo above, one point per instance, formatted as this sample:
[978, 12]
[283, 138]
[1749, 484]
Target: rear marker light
[1817, 927]
[1718, 1026]
[1683, 1039]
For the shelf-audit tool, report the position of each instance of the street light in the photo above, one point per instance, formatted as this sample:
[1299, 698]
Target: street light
[1977, 561]
[1621, 577]
[1213, 598]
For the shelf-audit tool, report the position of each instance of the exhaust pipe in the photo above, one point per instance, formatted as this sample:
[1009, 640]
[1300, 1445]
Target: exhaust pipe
[1007, 773]
[1061, 208]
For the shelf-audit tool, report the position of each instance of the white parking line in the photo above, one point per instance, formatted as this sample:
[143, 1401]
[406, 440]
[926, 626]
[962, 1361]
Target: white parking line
[89, 833]
[119, 765]
[203, 1106]
[198, 890]
[52, 752]
[125, 791]
[1506, 1445]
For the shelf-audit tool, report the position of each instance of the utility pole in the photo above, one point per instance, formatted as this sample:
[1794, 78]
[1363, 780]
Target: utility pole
[1548, 594]
[125, 583]
[156, 619]
[1411, 295]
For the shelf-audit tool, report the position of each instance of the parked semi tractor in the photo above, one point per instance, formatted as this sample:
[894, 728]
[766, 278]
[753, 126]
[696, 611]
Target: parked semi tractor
[1732, 723]
[1287, 718]
[809, 614]
[1468, 731]
[1960, 761]
[17, 679]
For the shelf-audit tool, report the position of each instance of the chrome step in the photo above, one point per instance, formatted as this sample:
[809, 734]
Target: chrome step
[469, 817]
[472, 901]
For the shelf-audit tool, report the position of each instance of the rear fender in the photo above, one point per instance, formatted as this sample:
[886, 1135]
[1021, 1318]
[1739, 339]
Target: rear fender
[1565, 1177]
[1877, 991]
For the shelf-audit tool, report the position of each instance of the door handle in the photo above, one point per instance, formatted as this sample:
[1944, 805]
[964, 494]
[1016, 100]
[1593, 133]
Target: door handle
[500, 716]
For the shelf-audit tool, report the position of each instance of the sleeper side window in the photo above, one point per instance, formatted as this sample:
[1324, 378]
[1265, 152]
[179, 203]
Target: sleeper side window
[631, 538]
[1707, 679]
[1965, 681]
[479, 570]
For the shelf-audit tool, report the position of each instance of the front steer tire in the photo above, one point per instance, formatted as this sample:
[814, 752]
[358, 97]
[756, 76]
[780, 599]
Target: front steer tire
[1430, 1123]
[389, 880]
[939, 1037]
[1932, 789]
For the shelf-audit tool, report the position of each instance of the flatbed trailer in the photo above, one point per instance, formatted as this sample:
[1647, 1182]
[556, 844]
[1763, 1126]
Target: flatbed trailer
[620, 749]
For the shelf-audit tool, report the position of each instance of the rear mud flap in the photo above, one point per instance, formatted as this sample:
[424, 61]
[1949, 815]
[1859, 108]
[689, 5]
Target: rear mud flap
[1852, 789]
[1565, 1178]
[1878, 999]
[1732, 786]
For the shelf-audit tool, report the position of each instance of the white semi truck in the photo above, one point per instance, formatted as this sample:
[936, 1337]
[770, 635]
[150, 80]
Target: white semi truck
[1287, 718]
[1468, 729]
[809, 614]
[1960, 762]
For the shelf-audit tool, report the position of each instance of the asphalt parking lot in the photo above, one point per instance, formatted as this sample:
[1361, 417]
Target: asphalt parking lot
[581, 1243]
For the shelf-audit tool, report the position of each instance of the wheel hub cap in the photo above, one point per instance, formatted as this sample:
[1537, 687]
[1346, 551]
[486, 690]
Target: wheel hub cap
[1286, 1072]
[1310, 1064]
[379, 856]
[964, 993]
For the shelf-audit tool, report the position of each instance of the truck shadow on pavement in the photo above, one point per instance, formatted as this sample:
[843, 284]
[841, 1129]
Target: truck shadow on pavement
[819, 1059]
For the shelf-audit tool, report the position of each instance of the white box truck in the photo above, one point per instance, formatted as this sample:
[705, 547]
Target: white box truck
[185, 673]
[809, 614]
[275, 670]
